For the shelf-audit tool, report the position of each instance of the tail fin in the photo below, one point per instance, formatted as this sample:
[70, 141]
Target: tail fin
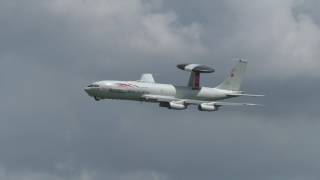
[233, 82]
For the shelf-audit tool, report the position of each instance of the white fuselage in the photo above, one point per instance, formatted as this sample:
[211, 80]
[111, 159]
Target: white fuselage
[134, 90]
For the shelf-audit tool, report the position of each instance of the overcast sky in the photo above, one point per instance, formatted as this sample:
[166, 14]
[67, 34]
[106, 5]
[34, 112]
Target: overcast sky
[51, 49]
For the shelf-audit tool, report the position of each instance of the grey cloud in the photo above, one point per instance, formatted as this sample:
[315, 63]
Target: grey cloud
[50, 129]
[309, 7]
[268, 33]
[67, 32]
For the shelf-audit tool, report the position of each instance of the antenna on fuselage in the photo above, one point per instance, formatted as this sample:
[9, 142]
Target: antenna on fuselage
[196, 70]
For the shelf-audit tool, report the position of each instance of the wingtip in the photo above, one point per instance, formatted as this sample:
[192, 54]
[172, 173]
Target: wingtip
[256, 105]
[258, 95]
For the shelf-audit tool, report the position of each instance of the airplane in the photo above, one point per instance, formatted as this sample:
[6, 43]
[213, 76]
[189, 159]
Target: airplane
[176, 97]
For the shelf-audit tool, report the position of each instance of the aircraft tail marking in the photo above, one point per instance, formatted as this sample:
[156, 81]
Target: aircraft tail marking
[233, 82]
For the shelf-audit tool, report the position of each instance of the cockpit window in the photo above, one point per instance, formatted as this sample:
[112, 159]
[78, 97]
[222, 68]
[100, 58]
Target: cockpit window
[93, 85]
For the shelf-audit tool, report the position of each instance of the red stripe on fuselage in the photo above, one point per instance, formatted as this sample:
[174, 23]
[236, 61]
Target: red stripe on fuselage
[197, 80]
[127, 85]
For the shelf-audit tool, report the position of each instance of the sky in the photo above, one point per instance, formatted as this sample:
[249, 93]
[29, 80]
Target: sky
[51, 49]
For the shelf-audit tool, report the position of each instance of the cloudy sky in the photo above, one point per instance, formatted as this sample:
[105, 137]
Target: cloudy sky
[50, 129]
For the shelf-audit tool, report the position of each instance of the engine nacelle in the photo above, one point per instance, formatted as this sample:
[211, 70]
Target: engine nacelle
[173, 105]
[177, 106]
[207, 107]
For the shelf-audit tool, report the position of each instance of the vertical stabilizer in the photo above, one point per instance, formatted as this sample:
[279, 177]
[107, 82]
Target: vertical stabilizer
[233, 81]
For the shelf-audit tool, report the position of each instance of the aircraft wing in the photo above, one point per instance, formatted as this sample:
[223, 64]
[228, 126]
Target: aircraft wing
[242, 94]
[234, 104]
[161, 98]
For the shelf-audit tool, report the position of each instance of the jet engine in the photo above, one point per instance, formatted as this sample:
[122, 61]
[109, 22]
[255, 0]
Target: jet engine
[207, 107]
[173, 105]
[177, 106]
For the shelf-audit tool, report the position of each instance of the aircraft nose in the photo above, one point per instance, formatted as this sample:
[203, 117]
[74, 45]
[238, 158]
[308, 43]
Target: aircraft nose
[87, 90]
